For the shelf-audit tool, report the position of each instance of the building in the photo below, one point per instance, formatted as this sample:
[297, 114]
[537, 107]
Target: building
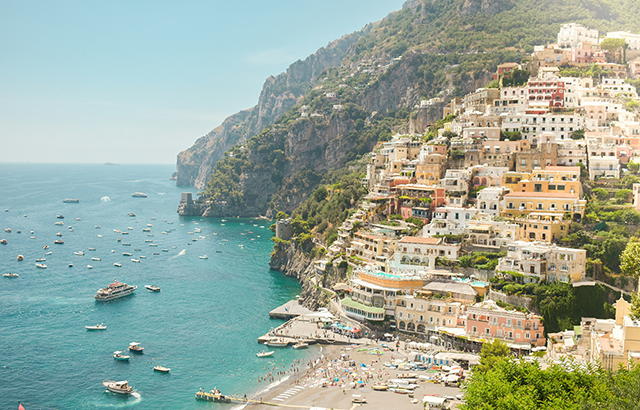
[449, 220]
[490, 234]
[523, 203]
[543, 262]
[417, 253]
[420, 313]
[490, 200]
[571, 34]
[376, 249]
[480, 99]
[487, 320]
[632, 40]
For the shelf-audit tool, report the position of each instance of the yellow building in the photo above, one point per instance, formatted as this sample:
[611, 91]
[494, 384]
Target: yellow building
[543, 226]
[523, 203]
[559, 179]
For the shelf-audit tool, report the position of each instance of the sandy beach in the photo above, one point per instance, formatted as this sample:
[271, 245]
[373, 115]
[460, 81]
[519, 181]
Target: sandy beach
[339, 374]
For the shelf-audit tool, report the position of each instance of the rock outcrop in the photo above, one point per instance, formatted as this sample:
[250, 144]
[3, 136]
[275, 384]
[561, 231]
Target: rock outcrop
[278, 95]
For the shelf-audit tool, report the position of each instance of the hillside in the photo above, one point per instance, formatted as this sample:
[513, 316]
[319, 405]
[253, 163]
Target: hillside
[365, 88]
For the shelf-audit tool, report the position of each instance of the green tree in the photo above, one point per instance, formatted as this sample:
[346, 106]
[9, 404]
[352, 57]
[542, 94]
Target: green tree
[630, 259]
[491, 354]
[601, 194]
[633, 166]
[623, 195]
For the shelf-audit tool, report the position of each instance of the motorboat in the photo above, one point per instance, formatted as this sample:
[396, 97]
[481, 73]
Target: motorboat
[59, 223]
[126, 244]
[59, 216]
[58, 234]
[139, 195]
[59, 242]
[143, 257]
[41, 266]
[78, 219]
[71, 265]
[20, 257]
[135, 347]
[115, 290]
[146, 230]
[119, 356]
[127, 254]
[92, 249]
[97, 226]
[41, 260]
[300, 345]
[79, 253]
[124, 233]
[165, 250]
[152, 288]
[89, 267]
[380, 387]
[119, 265]
[3, 241]
[161, 369]
[121, 387]
[96, 259]
[204, 257]
[265, 354]
[131, 214]
[71, 200]
[277, 342]
[10, 275]
[101, 326]
[130, 228]
[45, 247]
[153, 244]
[99, 236]
[135, 260]
[48, 253]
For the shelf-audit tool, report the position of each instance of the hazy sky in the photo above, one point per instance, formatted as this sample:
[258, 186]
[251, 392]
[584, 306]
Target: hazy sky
[139, 81]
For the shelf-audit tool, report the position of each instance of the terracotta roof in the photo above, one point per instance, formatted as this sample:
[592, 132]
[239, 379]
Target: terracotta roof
[421, 240]
[540, 195]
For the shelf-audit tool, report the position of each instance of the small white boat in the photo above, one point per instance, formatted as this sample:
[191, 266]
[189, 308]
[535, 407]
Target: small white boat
[59, 242]
[135, 260]
[265, 354]
[89, 267]
[48, 253]
[153, 244]
[59, 223]
[41, 260]
[165, 250]
[143, 257]
[127, 254]
[101, 326]
[300, 345]
[45, 247]
[59, 234]
[10, 275]
[96, 259]
[119, 356]
[99, 236]
[80, 253]
[97, 226]
[92, 249]
[126, 244]
[125, 233]
[204, 257]
[121, 387]
[152, 288]
[135, 347]
[41, 266]
[71, 265]
[277, 342]
[117, 264]
[161, 369]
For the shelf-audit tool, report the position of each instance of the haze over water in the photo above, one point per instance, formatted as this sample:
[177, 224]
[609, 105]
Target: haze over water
[203, 324]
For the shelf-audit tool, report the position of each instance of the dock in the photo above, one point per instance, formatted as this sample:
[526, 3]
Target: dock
[219, 398]
[289, 310]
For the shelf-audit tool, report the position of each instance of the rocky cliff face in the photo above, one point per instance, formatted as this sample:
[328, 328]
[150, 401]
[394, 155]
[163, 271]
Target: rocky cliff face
[278, 95]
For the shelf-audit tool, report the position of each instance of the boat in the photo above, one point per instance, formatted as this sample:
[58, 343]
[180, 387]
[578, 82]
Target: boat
[380, 387]
[135, 347]
[135, 260]
[277, 342]
[97, 226]
[79, 253]
[41, 266]
[59, 223]
[3, 241]
[126, 244]
[119, 356]
[143, 257]
[117, 264]
[10, 275]
[131, 214]
[71, 265]
[99, 236]
[45, 247]
[165, 250]
[58, 234]
[101, 326]
[153, 244]
[48, 253]
[59, 216]
[92, 249]
[41, 260]
[96, 259]
[146, 230]
[358, 398]
[78, 219]
[71, 200]
[126, 254]
[124, 233]
[265, 354]
[89, 267]
[20, 257]
[121, 387]
[115, 290]
[300, 345]
[139, 195]
[59, 242]
[204, 257]
[161, 369]
[152, 288]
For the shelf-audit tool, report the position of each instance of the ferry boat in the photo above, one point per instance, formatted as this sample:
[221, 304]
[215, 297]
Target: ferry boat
[121, 387]
[115, 290]
[71, 200]
[139, 195]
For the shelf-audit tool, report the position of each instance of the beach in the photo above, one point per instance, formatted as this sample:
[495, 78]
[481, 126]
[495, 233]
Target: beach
[318, 387]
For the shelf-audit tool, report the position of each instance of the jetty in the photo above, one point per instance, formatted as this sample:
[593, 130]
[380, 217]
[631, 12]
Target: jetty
[220, 398]
[289, 310]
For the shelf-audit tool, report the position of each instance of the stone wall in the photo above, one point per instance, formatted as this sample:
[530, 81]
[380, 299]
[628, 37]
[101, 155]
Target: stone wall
[527, 301]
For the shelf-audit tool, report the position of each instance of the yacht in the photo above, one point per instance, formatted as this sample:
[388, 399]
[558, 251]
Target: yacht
[71, 200]
[121, 387]
[139, 195]
[115, 290]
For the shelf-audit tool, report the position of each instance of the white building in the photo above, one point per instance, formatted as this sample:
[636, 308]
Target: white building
[490, 200]
[449, 220]
[571, 34]
[571, 152]
[418, 253]
[633, 40]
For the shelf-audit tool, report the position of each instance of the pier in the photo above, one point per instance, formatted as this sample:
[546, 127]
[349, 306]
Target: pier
[310, 330]
[219, 398]
[289, 310]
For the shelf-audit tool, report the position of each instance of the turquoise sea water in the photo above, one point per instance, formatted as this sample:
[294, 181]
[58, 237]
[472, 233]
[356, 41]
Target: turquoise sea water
[203, 324]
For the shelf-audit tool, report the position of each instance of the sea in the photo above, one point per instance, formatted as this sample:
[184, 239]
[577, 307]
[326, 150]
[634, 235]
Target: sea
[203, 324]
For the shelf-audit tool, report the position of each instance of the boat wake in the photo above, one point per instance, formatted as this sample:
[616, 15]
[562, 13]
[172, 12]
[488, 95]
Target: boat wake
[132, 400]
[105, 199]
[181, 253]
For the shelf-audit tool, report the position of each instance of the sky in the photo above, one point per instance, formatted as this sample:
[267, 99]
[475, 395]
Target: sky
[140, 81]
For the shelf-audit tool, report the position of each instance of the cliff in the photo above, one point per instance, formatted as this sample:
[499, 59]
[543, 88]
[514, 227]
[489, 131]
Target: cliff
[278, 95]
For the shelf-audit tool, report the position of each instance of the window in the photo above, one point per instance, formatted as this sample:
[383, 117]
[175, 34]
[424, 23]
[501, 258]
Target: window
[474, 329]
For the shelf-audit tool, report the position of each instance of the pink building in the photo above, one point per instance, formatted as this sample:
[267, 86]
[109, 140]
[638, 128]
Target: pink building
[487, 320]
[548, 90]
